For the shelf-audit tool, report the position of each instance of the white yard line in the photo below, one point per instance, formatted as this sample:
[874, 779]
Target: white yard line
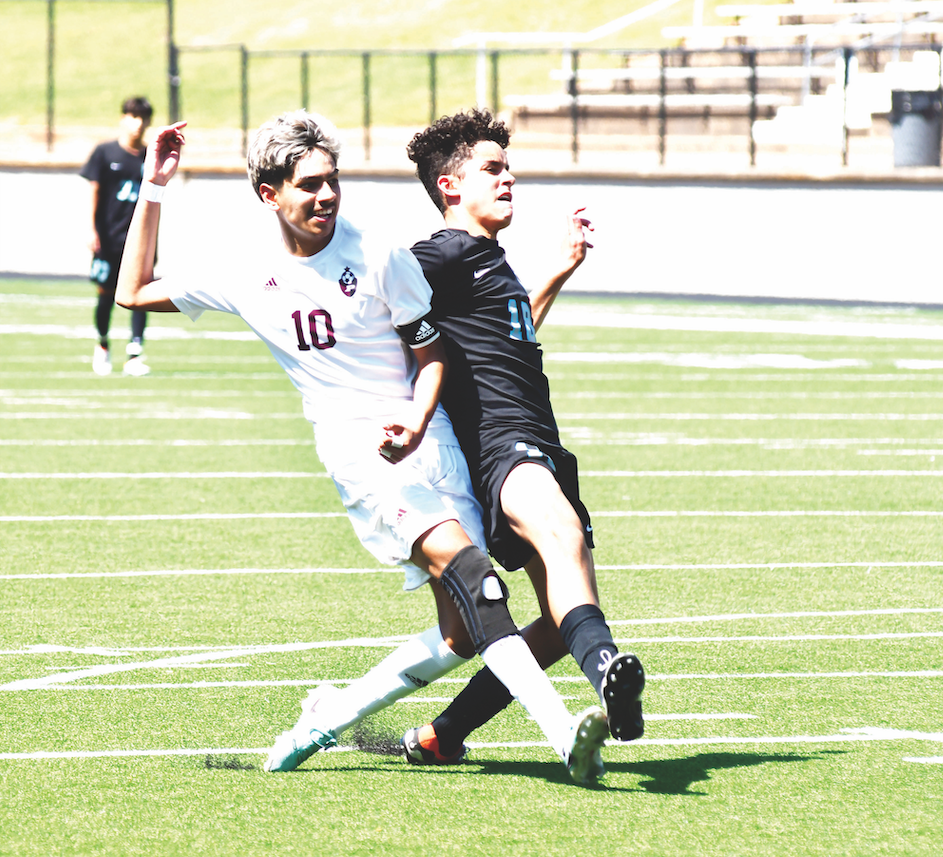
[846, 736]
[198, 572]
[746, 417]
[602, 474]
[248, 516]
[801, 513]
[230, 474]
[311, 682]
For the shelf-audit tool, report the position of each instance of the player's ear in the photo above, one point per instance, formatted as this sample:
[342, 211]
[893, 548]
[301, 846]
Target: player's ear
[448, 187]
[269, 196]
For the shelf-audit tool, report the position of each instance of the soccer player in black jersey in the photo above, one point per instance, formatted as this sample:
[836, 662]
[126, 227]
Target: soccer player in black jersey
[498, 399]
[113, 171]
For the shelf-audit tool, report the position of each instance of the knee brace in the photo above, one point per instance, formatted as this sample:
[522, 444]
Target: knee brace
[480, 595]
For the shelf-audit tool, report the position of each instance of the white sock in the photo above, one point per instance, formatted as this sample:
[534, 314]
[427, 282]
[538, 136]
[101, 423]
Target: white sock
[512, 662]
[414, 664]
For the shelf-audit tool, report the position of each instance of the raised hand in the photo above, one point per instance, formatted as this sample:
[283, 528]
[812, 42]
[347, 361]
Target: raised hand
[163, 155]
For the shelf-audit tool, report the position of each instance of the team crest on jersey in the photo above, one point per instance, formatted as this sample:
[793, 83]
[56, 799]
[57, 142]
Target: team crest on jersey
[348, 282]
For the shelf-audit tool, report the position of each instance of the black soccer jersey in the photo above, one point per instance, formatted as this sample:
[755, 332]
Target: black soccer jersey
[496, 381]
[118, 173]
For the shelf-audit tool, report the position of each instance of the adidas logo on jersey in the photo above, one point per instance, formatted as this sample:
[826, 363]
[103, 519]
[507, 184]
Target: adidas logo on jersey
[272, 286]
[425, 331]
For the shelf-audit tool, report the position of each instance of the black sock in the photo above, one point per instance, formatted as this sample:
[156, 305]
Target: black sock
[480, 699]
[103, 308]
[587, 636]
[138, 323]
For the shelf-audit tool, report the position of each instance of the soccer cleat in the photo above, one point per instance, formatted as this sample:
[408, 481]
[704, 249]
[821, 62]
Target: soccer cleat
[622, 688]
[101, 361]
[136, 367]
[587, 735]
[421, 746]
[304, 739]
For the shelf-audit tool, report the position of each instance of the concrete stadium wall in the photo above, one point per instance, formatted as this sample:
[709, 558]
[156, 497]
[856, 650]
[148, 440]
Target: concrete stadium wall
[790, 240]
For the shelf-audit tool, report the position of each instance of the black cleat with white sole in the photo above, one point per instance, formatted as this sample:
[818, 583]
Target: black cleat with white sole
[622, 688]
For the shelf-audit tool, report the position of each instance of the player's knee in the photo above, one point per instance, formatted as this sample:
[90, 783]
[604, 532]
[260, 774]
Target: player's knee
[480, 595]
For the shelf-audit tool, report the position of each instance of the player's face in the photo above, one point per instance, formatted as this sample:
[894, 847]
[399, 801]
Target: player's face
[131, 130]
[307, 203]
[485, 190]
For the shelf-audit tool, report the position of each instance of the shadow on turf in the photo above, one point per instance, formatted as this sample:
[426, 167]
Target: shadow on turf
[677, 776]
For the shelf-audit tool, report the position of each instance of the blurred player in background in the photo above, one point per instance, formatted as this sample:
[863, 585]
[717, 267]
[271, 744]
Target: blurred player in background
[348, 318]
[114, 172]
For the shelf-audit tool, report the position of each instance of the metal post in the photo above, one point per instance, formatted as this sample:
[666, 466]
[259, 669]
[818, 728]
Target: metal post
[50, 72]
[494, 81]
[754, 89]
[433, 87]
[366, 106]
[574, 105]
[244, 61]
[173, 66]
[662, 108]
[847, 54]
[305, 75]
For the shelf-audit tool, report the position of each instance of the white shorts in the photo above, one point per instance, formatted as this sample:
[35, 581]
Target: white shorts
[392, 505]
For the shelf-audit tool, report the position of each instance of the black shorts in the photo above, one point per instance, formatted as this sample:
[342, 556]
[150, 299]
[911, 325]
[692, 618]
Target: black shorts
[498, 458]
[104, 272]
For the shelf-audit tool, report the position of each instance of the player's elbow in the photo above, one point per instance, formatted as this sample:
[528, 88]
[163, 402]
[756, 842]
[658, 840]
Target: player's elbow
[128, 289]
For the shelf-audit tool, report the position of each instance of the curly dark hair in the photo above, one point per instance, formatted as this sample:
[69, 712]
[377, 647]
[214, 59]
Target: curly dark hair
[447, 144]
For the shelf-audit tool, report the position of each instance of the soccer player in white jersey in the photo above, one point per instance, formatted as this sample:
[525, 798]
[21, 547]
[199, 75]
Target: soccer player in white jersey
[348, 319]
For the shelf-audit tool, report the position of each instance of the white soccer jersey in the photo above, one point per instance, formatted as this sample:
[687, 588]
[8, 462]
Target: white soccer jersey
[329, 319]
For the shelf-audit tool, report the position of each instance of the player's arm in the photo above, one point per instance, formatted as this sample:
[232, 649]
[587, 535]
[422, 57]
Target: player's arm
[94, 241]
[403, 436]
[137, 288]
[575, 246]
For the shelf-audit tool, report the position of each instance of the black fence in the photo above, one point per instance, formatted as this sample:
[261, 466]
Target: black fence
[571, 96]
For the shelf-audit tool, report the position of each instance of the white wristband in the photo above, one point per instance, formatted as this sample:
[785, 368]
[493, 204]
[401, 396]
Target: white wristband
[152, 192]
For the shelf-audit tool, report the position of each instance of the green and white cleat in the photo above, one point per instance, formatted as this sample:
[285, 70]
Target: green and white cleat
[587, 735]
[295, 747]
[304, 739]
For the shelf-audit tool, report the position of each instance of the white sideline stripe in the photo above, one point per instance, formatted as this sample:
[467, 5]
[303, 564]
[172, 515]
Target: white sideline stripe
[771, 566]
[645, 474]
[658, 415]
[733, 324]
[730, 566]
[753, 676]
[635, 395]
[200, 443]
[198, 657]
[311, 682]
[846, 736]
[799, 614]
[785, 638]
[182, 414]
[926, 760]
[208, 516]
[233, 474]
[620, 474]
[799, 513]
[802, 513]
[197, 572]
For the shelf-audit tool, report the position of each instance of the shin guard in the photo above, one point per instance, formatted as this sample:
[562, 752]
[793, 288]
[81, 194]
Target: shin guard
[480, 595]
